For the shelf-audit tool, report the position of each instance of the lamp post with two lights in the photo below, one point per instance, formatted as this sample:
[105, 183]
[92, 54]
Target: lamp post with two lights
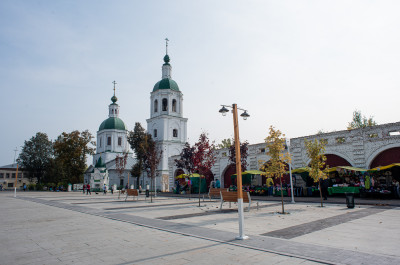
[244, 115]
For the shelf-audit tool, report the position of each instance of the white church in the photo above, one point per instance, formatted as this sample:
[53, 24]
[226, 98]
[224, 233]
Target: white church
[166, 124]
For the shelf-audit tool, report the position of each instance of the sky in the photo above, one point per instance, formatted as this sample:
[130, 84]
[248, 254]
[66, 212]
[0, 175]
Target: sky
[300, 66]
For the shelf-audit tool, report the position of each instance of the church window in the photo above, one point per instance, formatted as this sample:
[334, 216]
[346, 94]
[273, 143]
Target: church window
[119, 141]
[164, 104]
[174, 105]
[175, 133]
[100, 143]
[156, 105]
[109, 140]
[155, 133]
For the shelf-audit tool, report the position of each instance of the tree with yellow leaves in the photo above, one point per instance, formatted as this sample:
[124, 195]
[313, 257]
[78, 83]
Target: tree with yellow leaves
[277, 164]
[315, 151]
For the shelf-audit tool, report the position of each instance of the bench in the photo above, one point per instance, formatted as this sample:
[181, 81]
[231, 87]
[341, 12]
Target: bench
[232, 196]
[133, 193]
[120, 192]
[216, 192]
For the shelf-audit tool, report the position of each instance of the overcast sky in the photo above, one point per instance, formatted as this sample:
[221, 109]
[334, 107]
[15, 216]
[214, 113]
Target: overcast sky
[301, 66]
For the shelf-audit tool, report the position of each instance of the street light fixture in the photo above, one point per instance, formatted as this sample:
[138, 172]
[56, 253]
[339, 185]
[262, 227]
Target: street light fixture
[223, 110]
[245, 115]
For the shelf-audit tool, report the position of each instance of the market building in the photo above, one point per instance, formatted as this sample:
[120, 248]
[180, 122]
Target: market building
[365, 148]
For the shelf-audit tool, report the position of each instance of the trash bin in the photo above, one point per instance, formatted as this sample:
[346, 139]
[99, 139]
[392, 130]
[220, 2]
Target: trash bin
[349, 199]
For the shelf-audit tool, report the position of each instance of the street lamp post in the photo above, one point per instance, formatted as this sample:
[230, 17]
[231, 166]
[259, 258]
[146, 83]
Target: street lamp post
[224, 110]
[290, 170]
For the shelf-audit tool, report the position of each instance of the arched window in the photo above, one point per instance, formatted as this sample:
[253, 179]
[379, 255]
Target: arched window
[174, 105]
[175, 133]
[156, 105]
[155, 133]
[108, 140]
[119, 141]
[164, 104]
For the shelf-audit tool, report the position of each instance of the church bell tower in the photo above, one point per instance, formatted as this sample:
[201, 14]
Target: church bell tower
[167, 125]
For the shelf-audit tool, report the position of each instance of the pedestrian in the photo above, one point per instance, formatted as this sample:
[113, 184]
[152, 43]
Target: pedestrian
[112, 189]
[88, 189]
[270, 186]
[324, 188]
[217, 184]
[140, 189]
[24, 187]
[104, 189]
[84, 188]
[126, 186]
[1, 187]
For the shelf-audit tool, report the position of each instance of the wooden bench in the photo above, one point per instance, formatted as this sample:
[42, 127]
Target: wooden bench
[232, 196]
[133, 193]
[121, 192]
[216, 192]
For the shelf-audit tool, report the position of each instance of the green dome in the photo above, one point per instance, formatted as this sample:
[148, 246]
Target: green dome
[112, 123]
[114, 99]
[166, 83]
[166, 59]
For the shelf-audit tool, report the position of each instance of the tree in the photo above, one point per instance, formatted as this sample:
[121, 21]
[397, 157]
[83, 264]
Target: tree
[71, 151]
[276, 166]
[136, 139]
[120, 164]
[315, 151]
[151, 159]
[360, 121]
[243, 155]
[36, 155]
[203, 157]
[226, 143]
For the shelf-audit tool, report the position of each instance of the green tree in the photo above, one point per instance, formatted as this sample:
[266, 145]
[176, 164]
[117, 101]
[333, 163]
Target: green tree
[71, 151]
[226, 143]
[360, 121]
[315, 151]
[151, 159]
[36, 155]
[136, 140]
[277, 164]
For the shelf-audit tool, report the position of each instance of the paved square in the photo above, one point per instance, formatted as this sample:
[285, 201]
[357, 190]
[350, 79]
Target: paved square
[72, 228]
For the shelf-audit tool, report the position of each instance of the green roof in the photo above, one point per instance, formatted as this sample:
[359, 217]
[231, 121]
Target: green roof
[112, 123]
[166, 83]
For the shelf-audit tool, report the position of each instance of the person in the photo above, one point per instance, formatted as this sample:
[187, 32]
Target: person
[324, 188]
[217, 184]
[84, 188]
[88, 189]
[140, 189]
[126, 186]
[104, 189]
[177, 187]
[270, 186]
[112, 189]
[24, 187]
[1, 187]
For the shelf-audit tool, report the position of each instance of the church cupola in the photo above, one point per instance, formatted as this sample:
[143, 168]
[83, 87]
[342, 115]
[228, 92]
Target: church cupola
[113, 108]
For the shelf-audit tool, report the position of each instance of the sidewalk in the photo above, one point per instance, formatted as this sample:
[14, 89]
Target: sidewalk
[65, 228]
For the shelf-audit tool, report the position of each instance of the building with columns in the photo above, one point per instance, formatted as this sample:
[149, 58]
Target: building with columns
[367, 148]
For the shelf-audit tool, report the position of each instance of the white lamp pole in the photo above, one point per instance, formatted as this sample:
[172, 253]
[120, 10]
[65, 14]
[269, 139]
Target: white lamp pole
[223, 110]
[290, 170]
